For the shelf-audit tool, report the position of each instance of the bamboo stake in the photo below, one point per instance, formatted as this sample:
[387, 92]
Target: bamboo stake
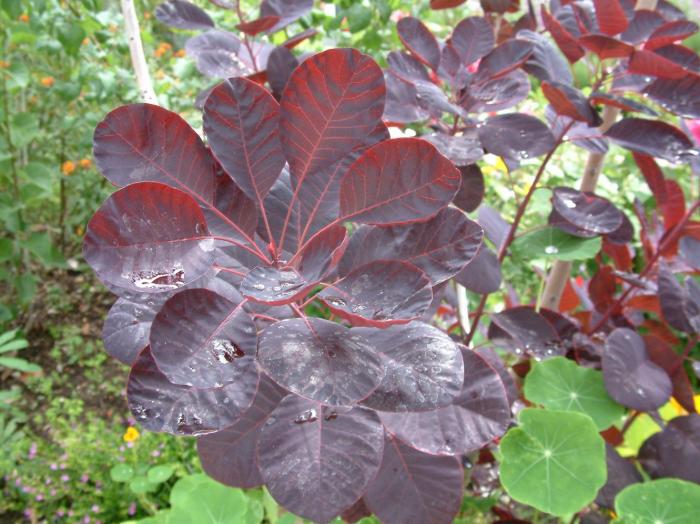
[138, 59]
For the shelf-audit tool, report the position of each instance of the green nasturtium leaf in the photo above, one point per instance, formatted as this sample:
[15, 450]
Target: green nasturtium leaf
[559, 383]
[663, 501]
[553, 461]
[208, 502]
[161, 473]
[121, 473]
[552, 243]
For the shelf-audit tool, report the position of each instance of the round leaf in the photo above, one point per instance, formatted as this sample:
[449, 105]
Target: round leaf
[663, 501]
[516, 136]
[554, 461]
[586, 211]
[121, 472]
[552, 243]
[159, 474]
[558, 383]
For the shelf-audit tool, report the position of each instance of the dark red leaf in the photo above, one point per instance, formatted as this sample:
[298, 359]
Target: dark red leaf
[233, 214]
[679, 305]
[445, 4]
[356, 512]
[570, 102]
[545, 63]
[462, 150]
[216, 54]
[398, 181]
[681, 97]
[500, 6]
[259, 25]
[653, 138]
[649, 63]
[407, 67]
[516, 136]
[606, 47]
[630, 377]
[297, 39]
[320, 256]
[478, 415]
[148, 238]
[675, 452]
[320, 360]
[424, 368]
[229, 456]
[653, 176]
[621, 102]
[670, 33]
[504, 58]
[495, 94]
[441, 246]
[602, 287]
[683, 56]
[183, 15]
[623, 234]
[415, 487]
[673, 208]
[317, 461]
[419, 41]
[332, 101]
[586, 211]
[565, 40]
[472, 38]
[127, 327]
[159, 405]
[202, 339]
[380, 293]
[240, 121]
[621, 473]
[275, 285]
[611, 17]
[401, 101]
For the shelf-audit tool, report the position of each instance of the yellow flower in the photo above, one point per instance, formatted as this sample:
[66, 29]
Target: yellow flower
[4, 65]
[85, 163]
[47, 81]
[68, 167]
[24, 17]
[131, 434]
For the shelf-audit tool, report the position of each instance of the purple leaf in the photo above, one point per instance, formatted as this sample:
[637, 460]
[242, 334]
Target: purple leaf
[523, 330]
[401, 101]
[159, 405]
[148, 238]
[332, 101]
[462, 150]
[516, 136]
[675, 452]
[606, 47]
[495, 227]
[127, 327]
[630, 377]
[441, 247]
[621, 473]
[681, 97]
[483, 274]
[653, 138]
[472, 38]
[679, 305]
[202, 339]
[478, 415]
[288, 11]
[398, 181]
[183, 15]
[320, 360]
[419, 41]
[274, 285]
[641, 26]
[671, 32]
[229, 456]
[212, 41]
[424, 368]
[415, 487]
[322, 254]
[586, 211]
[407, 67]
[471, 192]
[509, 55]
[240, 121]
[317, 461]
[546, 62]
[569, 101]
[379, 294]
[280, 65]
[563, 36]
[495, 94]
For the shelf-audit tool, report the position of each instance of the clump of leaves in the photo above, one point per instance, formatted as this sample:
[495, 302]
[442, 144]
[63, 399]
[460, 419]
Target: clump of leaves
[216, 252]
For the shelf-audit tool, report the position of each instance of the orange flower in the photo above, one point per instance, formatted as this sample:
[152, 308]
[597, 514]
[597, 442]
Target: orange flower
[147, 15]
[67, 167]
[4, 65]
[131, 434]
[180, 53]
[47, 81]
[86, 41]
[24, 17]
[85, 163]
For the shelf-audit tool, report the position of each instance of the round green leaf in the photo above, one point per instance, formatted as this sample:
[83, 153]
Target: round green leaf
[141, 484]
[663, 501]
[208, 502]
[121, 472]
[559, 383]
[552, 243]
[554, 461]
[159, 474]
